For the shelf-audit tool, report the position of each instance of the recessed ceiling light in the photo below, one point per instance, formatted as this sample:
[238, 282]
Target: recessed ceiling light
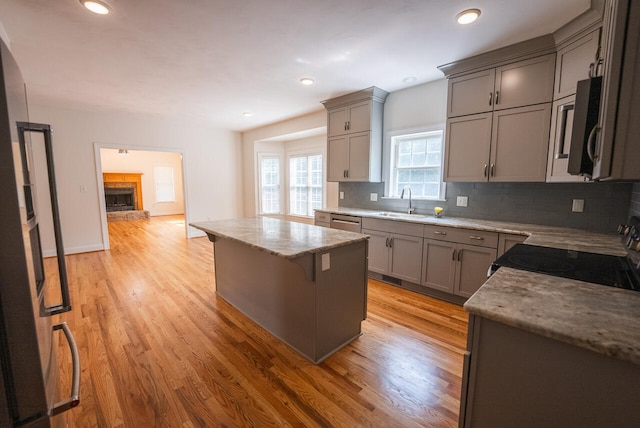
[247, 113]
[409, 79]
[467, 16]
[307, 81]
[96, 6]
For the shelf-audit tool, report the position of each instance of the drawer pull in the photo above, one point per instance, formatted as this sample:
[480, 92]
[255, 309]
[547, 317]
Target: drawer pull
[477, 238]
[440, 233]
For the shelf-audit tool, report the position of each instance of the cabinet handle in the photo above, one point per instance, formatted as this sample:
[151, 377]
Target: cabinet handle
[497, 97]
[347, 172]
[460, 255]
[440, 233]
[345, 126]
[490, 98]
[390, 242]
[591, 144]
[453, 255]
[386, 242]
[493, 169]
[477, 238]
[484, 174]
[563, 131]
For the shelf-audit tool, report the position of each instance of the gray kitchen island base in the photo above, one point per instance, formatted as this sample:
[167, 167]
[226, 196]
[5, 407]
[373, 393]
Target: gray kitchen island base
[315, 302]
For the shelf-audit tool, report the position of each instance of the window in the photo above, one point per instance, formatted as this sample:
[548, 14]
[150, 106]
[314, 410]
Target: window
[269, 184]
[416, 161]
[164, 183]
[305, 184]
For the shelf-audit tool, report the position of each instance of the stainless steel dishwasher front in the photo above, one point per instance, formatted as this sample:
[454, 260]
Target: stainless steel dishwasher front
[346, 222]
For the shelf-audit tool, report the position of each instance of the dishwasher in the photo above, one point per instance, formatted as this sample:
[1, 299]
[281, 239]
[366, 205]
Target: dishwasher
[346, 222]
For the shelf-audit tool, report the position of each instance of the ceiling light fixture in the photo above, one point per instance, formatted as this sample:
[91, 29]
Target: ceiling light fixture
[468, 16]
[409, 80]
[247, 114]
[307, 81]
[123, 152]
[96, 6]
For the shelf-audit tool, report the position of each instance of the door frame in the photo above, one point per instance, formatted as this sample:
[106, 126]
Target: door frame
[103, 209]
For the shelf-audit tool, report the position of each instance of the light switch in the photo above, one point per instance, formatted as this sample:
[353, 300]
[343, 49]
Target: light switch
[462, 201]
[374, 197]
[326, 261]
[578, 205]
[83, 188]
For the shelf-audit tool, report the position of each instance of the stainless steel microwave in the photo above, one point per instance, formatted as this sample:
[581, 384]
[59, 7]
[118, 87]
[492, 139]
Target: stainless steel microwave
[585, 126]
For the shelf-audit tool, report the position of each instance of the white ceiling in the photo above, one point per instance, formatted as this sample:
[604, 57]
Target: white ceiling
[212, 60]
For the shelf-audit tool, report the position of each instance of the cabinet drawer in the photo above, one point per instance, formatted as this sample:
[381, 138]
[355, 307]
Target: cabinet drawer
[322, 216]
[393, 226]
[462, 236]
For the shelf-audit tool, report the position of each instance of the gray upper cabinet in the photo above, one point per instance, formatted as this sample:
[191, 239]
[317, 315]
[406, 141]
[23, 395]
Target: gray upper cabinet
[513, 85]
[354, 136]
[498, 122]
[576, 60]
[617, 141]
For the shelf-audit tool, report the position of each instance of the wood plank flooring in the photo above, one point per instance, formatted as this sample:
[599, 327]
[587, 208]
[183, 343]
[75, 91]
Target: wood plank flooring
[159, 348]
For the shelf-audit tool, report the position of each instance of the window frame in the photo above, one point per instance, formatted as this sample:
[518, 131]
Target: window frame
[390, 164]
[156, 183]
[323, 186]
[279, 157]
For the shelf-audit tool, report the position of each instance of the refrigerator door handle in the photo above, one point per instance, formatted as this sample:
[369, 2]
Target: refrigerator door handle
[65, 305]
[74, 399]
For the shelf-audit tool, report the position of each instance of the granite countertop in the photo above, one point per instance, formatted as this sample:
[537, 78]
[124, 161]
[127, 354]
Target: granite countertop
[282, 238]
[596, 317]
[545, 236]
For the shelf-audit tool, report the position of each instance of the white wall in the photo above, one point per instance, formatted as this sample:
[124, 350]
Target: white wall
[143, 162]
[212, 160]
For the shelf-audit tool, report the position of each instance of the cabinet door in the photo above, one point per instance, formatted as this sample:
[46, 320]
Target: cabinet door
[337, 121]
[472, 267]
[438, 265]
[359, 157]
[525, 83]
[519, 144]
[405, 257]
[507, 240]
[468, 140]
[378, 251]
[560, 142]
[359, 117]
[573, 63]
[337, 158]
[471, 93]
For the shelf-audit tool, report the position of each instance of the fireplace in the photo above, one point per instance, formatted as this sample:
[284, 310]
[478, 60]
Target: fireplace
[120, 198]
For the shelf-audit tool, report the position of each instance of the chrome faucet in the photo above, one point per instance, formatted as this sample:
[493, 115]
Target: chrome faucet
[411, 209]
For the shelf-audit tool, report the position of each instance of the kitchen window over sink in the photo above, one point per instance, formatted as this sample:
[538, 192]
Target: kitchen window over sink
[416, 161]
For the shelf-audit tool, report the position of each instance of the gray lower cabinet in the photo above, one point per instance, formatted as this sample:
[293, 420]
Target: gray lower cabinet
[515, 378]
[455, 260]
[455, 268]
[396, 255]
[508, 240]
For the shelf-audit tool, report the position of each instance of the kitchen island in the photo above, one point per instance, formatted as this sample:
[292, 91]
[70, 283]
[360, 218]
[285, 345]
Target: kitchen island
[307, 285]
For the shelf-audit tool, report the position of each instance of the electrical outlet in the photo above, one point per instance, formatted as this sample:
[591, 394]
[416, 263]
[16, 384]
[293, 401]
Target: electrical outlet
[341, 195]
[374, 197]
[462, 201]
[326, 261]
[578, 206]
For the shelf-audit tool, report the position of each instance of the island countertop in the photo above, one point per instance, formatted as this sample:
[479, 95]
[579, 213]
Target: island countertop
[282, 238]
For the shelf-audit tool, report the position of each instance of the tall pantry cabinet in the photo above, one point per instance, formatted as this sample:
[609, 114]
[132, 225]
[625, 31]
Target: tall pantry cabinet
[354, 136]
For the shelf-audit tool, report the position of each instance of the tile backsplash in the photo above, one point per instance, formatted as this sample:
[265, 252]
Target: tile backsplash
[605, 204]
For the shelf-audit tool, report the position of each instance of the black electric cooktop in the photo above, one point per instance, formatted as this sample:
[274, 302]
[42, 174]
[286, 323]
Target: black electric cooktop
[601, 269]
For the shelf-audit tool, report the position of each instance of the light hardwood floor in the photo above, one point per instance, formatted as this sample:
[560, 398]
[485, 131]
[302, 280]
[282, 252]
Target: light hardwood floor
[160, 348]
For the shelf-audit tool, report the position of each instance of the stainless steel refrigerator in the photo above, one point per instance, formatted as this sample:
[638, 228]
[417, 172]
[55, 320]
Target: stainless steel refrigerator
[30, 395]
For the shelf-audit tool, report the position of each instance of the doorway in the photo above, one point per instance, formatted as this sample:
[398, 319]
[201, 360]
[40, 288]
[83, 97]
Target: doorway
[155, 178]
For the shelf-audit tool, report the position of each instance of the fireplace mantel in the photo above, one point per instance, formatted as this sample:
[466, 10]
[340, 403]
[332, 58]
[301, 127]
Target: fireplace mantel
[126, 177]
